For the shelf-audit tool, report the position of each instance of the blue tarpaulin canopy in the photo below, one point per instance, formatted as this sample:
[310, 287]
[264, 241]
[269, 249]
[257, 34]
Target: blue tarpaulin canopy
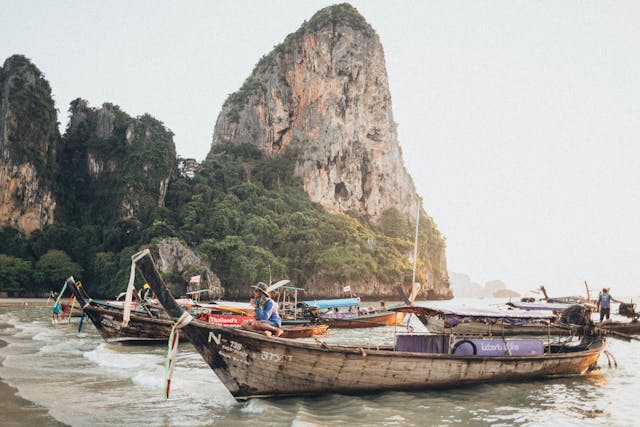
[334, 303]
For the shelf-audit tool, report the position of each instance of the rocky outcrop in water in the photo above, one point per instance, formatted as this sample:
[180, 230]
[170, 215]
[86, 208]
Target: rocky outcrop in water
[29, 140]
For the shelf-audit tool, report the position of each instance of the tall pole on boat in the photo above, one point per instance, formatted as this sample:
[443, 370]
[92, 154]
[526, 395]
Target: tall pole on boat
[415, 245]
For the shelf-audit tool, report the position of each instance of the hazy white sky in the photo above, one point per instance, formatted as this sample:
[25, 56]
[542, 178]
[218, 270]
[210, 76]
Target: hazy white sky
[519, 120]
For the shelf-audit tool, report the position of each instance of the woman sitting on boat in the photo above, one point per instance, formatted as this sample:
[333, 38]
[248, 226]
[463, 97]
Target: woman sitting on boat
[267, 320]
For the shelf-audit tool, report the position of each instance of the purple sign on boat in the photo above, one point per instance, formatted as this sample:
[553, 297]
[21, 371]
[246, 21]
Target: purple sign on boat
[498, 347]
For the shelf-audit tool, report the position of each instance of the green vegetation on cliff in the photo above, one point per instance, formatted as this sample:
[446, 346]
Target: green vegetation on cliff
[28, 95]
[118, 187]
[250, 219]
[111, 163]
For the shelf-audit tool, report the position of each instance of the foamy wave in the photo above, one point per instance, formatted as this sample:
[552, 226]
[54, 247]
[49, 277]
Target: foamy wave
[150, 378]
[66, 347]
[106, 357]
[253, 407]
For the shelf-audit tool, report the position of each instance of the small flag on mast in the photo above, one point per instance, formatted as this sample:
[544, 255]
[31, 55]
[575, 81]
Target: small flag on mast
[346, 288]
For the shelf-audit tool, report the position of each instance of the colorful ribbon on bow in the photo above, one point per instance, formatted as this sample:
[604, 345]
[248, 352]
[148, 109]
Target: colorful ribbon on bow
[174, 338]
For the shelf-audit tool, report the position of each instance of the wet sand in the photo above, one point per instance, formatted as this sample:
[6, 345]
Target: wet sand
[25, 302]
[18, 412]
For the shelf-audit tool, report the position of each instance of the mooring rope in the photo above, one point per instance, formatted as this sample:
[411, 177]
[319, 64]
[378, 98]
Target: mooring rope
[81, 320]
[172, 352]
[609, 357]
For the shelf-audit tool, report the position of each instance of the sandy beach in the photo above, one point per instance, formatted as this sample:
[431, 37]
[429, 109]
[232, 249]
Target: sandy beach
[15, 410]
[26, 302]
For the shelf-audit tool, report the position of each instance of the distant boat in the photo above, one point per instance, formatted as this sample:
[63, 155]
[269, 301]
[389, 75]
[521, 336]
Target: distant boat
[347, 313]
[252, 365]
[149, 323]
[555, 326]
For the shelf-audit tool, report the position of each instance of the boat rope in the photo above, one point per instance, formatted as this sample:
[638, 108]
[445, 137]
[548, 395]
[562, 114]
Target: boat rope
[172, 352]
[322, 343]
[81, 320]
[68, 306]
[609, 357]
[73, 303]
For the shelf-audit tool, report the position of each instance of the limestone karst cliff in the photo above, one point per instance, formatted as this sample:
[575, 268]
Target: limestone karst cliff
[314, 117]
[115, 167]
[29, 139]
[324, 90]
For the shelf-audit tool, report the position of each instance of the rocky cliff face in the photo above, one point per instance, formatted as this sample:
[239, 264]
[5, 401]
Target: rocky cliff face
[29, 139]
[175, 259]
[115, 161]
[324, 90]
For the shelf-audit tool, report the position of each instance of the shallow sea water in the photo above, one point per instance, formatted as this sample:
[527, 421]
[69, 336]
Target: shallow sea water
[82, 381]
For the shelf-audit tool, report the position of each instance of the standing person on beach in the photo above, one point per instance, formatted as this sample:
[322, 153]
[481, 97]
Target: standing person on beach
[604, 304]
[56, 312]
[267, 320]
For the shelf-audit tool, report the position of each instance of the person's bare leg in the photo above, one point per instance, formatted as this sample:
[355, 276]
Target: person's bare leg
[265, 327]
[246, 324]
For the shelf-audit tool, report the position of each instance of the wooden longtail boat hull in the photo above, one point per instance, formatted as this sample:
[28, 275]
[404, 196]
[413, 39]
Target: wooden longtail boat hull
[303, 331]
[629, 328]
[252, 365]
[142, 329]
[436, 325]
[289, 331]
[386, 318]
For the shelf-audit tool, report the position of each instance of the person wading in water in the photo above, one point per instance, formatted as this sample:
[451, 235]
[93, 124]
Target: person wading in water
[604, 304]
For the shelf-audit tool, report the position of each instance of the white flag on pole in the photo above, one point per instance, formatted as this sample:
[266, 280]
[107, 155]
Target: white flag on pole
[346, 288]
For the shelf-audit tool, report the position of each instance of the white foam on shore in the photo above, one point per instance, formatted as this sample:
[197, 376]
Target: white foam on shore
[106, 356]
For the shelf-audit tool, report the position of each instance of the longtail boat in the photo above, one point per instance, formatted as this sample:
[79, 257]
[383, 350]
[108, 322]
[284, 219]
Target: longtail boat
[630, 328]
[149, 323]
[252, 365]
[347, 313]
[476, 325]
[439, 324]
[306, 330]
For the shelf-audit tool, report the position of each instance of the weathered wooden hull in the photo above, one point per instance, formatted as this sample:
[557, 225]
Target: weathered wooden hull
[387, 318]
[250, 365]
[629, 328]
[142, 329]
[303, 331]
[300, 330]
[253, 365]
[436, 325]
